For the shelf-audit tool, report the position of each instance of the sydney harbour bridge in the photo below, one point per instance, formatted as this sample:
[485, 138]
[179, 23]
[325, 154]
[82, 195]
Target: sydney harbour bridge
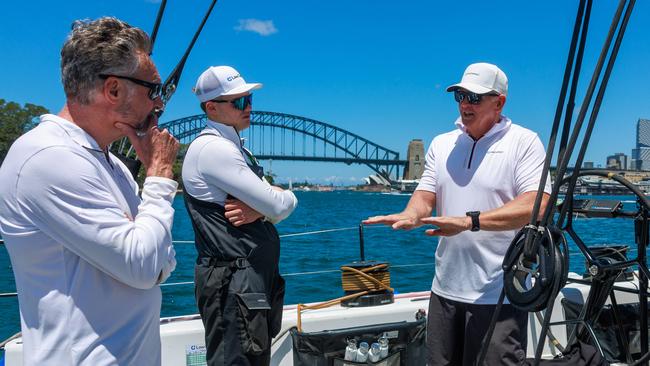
[281, 136]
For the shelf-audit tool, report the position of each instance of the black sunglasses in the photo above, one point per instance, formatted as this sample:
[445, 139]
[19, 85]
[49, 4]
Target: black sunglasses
[240, 103]
[155, 89]
[472, 98]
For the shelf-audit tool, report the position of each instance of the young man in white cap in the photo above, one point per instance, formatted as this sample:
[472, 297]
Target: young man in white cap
[482, 179]
[239, 290]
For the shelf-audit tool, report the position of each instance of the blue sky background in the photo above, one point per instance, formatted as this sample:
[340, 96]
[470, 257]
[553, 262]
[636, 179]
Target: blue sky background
[375, 68]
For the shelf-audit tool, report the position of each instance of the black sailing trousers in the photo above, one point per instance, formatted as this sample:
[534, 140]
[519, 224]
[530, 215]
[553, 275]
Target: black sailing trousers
[224, 327]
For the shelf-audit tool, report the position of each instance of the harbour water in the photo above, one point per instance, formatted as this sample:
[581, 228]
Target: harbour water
[410, 253]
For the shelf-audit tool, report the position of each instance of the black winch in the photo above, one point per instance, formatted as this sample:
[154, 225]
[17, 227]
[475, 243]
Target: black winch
[369, 279]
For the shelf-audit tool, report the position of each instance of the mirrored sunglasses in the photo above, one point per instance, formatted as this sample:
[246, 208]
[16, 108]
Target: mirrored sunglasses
[240, 103]
[472, 98]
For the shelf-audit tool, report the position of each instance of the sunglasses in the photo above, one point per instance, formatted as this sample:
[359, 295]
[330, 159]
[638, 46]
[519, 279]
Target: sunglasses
[155, 89]
[240, 103]
[472, 98]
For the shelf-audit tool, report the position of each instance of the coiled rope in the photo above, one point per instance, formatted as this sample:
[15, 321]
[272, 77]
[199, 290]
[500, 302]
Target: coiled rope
[375, 278]
[362, 275]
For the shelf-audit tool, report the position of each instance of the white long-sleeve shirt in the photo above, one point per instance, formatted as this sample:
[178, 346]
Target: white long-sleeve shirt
[215, 166]
[86, 252]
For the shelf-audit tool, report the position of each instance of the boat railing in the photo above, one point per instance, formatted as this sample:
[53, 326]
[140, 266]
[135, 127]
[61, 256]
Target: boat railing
[291, 274]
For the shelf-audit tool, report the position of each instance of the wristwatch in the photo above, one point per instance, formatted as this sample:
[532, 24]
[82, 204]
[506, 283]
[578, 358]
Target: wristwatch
[476, 226]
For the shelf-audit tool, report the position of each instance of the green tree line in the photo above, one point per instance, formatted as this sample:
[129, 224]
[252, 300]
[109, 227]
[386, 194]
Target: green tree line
[16, 120]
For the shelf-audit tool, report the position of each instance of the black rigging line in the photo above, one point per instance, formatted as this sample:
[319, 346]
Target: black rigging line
[599, 96]
[169, 87]
[580, 26]
[570, 105]
[154, 32]
[540, 253]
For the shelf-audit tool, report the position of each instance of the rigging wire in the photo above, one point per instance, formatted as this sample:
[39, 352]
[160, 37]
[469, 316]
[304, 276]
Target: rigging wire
[537, 257]
[284, 235]
[298, 234]
[154, 32]
[169, 87]
[293, 274]
[13, 294]
[599, 96]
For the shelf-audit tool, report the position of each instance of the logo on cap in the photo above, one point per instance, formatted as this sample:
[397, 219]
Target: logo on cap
[231, 78]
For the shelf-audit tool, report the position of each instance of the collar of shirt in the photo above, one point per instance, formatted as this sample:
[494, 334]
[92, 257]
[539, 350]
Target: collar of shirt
[225, 131]
[503, 123]
[76, 133]
[231, 134]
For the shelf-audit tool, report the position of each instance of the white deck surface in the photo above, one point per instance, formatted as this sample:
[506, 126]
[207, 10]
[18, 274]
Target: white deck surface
[182, 337]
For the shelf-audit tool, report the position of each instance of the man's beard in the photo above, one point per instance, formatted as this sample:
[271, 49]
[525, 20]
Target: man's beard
[142, 126]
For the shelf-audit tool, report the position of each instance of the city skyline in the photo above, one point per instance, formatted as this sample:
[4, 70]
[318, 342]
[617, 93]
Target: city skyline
[639, 158]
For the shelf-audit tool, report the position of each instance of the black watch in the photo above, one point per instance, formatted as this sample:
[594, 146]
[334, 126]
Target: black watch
[476, 226]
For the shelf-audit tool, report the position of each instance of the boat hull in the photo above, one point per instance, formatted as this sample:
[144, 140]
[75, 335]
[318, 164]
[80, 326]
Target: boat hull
[183, 342]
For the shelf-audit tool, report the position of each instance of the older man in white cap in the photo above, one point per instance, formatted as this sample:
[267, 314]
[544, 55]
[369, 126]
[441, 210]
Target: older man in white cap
[239, 290]
[482, 179]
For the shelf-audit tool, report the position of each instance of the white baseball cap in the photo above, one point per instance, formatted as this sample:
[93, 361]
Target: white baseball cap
[482, 78]
[217, 81]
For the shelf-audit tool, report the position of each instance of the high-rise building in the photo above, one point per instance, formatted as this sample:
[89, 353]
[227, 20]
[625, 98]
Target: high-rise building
[617, 161]
[643, 133]
[641, 154]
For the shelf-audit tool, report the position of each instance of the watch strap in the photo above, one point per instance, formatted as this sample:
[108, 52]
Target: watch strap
[476, 225]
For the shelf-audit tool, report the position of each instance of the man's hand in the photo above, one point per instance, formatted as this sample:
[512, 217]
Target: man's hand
[396, 221]
[447, 226]
[420, 205]
[239, 213]
[156, 149]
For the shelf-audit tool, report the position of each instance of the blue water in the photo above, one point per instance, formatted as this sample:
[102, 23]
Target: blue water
[327, 251]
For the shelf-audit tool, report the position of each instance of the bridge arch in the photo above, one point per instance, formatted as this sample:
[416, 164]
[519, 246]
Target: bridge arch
[282, 136]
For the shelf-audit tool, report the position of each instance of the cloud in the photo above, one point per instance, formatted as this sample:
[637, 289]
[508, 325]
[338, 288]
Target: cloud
[261, 27]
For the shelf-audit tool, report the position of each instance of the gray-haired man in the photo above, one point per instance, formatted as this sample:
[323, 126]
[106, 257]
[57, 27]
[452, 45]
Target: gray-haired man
[86, 251]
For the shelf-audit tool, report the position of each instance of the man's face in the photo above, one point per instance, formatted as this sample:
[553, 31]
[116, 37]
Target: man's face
[487, 111]
[137, 109]
[225, 111]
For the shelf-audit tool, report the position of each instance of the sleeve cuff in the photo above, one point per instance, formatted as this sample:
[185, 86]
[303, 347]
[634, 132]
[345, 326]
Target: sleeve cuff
[159, 187]
[162, 181]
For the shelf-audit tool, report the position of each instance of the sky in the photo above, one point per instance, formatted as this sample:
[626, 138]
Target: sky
[378, 69]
